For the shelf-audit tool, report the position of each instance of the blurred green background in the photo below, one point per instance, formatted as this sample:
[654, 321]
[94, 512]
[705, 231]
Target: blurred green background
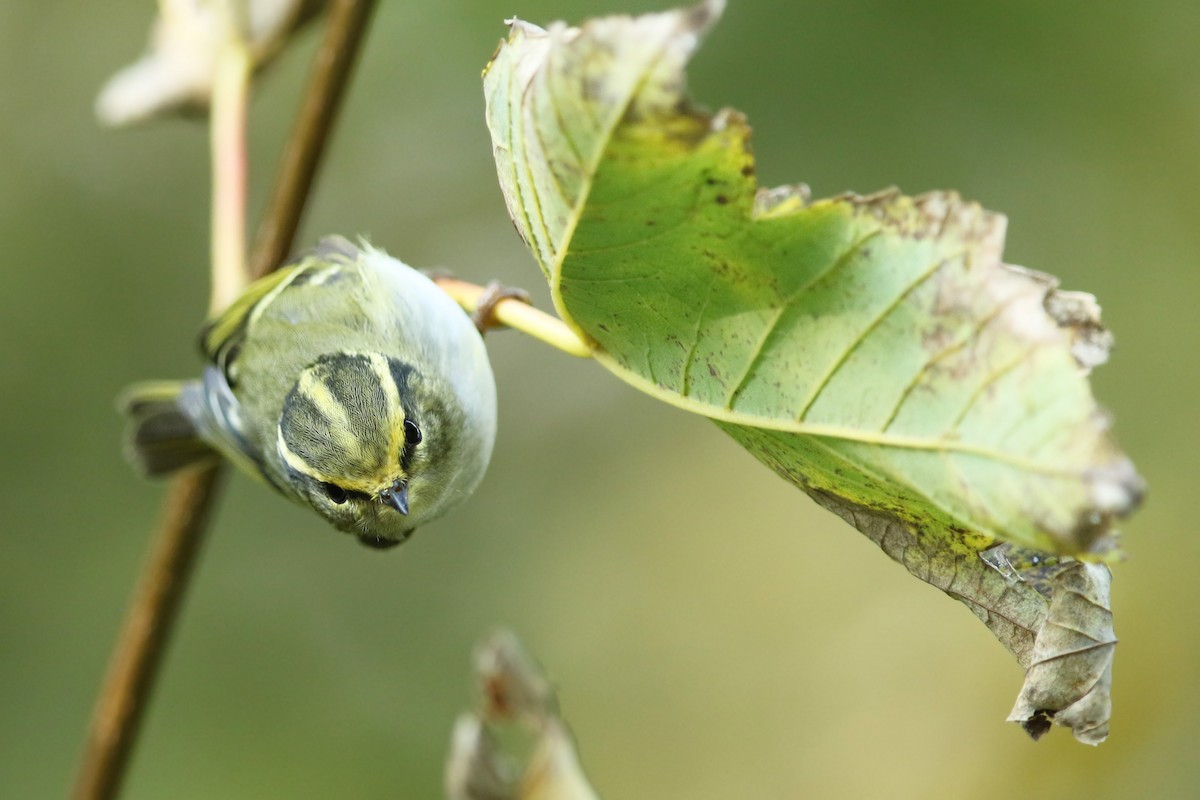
[712, 632]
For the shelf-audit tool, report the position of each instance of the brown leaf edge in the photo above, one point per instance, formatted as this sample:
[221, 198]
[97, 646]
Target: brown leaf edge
[1069, 678]
[1053, 615]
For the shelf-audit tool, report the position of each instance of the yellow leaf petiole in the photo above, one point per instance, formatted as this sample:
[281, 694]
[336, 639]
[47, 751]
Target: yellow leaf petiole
[520, 316]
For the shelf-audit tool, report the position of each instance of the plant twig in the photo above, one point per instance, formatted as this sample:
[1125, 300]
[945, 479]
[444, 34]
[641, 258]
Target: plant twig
[138, 652]
[227, 125]
[347, 24]
[139, 649]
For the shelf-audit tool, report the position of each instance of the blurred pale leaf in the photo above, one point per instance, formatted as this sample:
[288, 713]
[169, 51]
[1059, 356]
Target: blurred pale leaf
[874, 351]
[178, 69]
[514, 693]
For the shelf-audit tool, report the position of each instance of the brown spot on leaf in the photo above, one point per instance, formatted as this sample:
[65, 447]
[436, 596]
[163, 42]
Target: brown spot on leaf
[1038, 724]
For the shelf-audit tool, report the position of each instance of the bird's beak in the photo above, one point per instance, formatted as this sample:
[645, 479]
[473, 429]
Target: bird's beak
[396, 496]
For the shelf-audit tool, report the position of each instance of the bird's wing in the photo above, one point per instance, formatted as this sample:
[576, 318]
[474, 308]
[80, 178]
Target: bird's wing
[222, 336]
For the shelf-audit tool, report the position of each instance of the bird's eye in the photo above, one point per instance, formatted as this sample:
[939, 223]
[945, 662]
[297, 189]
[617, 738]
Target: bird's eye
[412, 434]
[334, 492]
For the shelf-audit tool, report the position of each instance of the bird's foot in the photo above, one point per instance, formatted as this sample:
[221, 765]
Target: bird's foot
[485, 310]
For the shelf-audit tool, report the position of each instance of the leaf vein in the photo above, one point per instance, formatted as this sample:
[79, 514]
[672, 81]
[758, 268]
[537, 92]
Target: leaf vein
[951, 349]
[866, 331]
[517, 206]
[890, 440]
[896, 478]
[535, 199]
[973, 498]
[989, 381]
[787, 304]
[588, 175]
[691, 352]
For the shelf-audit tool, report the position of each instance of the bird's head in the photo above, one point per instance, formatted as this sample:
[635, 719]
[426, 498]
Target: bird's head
[371, 444]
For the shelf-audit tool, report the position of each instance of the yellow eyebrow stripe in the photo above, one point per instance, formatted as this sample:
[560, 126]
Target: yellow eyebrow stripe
[338, 425]
[316, 391]
[294, 461]
[391, 391]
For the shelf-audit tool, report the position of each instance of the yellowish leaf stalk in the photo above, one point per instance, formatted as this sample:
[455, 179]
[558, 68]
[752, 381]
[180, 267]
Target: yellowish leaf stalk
[520, 316]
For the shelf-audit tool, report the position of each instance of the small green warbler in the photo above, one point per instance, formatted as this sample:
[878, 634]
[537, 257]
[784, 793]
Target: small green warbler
[347, 381]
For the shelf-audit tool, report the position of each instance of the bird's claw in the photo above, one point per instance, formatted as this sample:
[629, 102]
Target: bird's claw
[485, 310]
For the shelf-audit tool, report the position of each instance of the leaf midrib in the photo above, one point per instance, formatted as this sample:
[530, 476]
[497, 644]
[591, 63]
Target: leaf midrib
[585, 189]
[879, 438]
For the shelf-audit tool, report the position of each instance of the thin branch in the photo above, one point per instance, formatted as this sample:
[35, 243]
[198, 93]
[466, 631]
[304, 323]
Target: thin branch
[138, 652]
[231, 95]
[347, 24]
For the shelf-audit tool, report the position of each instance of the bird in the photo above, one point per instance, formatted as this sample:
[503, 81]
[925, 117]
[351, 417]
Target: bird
[347, 381]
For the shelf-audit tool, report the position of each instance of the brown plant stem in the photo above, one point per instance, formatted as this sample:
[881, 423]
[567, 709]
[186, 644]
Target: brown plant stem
[163, 582]
[138, 652]
[347, 24]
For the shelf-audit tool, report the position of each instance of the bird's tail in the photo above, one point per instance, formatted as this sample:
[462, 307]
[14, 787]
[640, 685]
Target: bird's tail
[162, 438]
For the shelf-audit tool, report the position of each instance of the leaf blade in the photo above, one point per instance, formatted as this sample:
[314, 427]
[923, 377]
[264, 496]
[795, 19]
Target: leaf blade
[873, 350]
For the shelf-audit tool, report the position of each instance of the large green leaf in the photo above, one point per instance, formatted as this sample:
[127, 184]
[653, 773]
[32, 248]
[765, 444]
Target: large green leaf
[875, 351]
